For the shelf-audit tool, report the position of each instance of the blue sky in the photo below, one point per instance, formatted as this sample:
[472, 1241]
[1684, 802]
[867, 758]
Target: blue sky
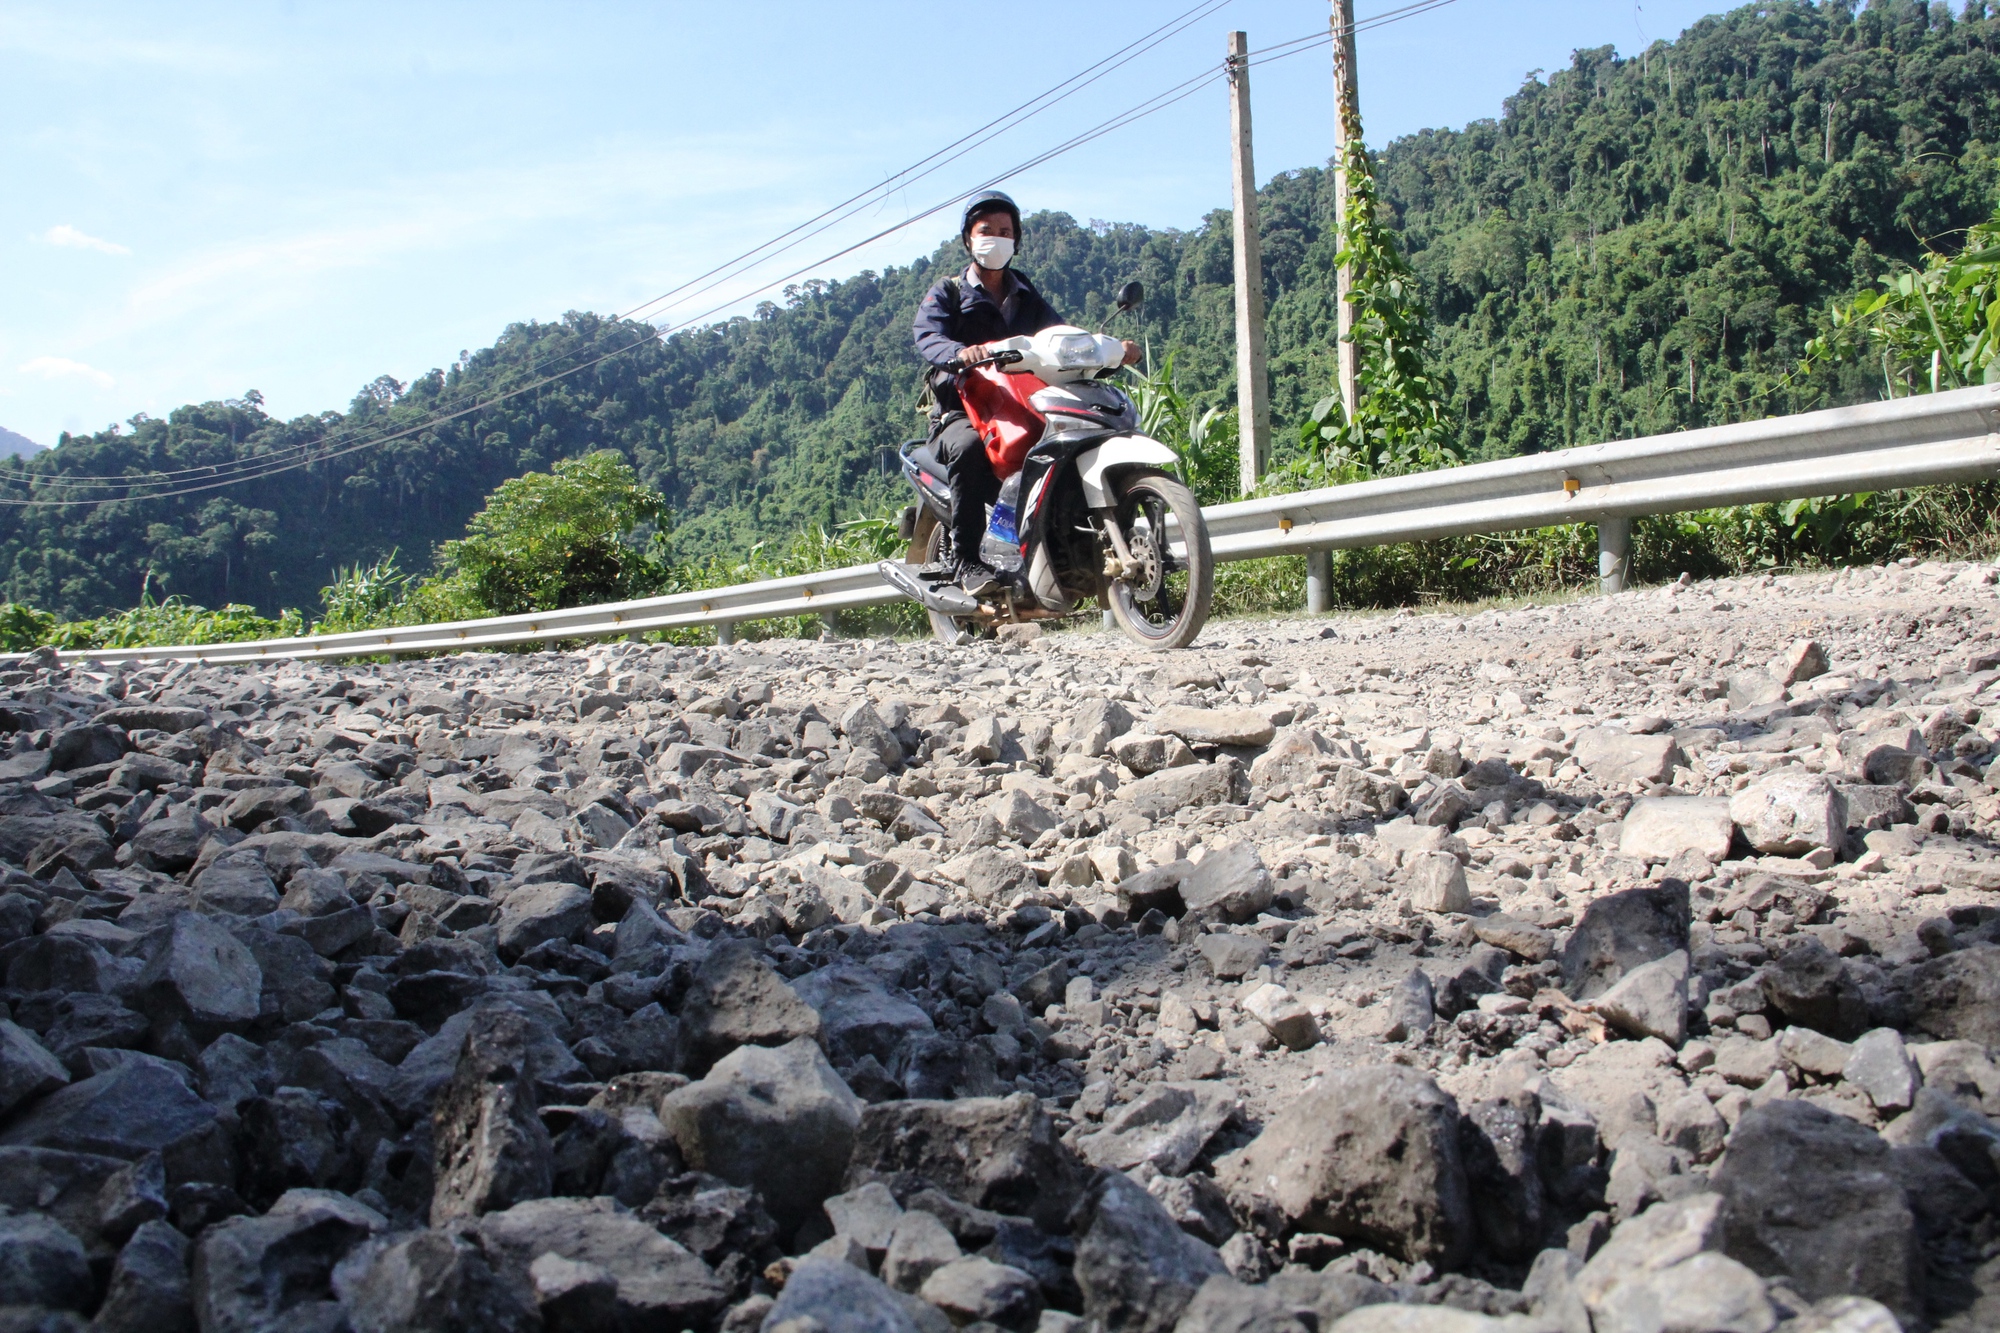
[200, 199]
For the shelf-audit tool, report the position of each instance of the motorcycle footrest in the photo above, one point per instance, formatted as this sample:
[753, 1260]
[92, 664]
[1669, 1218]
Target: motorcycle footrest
[944, 598]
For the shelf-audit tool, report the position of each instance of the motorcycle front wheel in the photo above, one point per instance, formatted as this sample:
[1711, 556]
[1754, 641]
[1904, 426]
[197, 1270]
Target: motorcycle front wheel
[1166, 601]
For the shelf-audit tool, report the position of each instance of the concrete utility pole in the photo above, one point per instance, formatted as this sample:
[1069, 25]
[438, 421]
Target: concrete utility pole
[1346, 119]
[1253, 395]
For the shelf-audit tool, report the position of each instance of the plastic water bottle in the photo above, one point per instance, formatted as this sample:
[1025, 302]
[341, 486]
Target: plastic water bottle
[1001, 547]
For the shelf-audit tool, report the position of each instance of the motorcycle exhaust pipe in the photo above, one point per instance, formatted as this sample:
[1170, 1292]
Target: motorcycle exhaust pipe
[943, 598]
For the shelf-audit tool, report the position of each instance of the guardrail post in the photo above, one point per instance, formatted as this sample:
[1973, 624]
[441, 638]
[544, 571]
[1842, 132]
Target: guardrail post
[1614, 554]
[725, 632]
[1319, 582]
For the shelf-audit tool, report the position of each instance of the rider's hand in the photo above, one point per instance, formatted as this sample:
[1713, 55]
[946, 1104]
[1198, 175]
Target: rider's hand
[1132, 353]
[975, 353]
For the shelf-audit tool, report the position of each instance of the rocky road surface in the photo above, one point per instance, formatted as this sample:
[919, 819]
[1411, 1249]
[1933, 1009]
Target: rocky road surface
[1630, 964]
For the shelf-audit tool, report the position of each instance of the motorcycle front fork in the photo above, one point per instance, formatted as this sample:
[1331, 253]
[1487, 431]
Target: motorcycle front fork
[1121, 563]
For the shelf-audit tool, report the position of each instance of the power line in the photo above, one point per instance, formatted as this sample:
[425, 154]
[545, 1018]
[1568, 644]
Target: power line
[741, 263]
[260, 467]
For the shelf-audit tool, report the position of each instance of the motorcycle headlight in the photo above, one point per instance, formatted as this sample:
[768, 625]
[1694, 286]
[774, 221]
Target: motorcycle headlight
[1076, 349]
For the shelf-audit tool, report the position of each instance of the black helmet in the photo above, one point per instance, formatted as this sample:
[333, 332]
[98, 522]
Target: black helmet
[988, 201]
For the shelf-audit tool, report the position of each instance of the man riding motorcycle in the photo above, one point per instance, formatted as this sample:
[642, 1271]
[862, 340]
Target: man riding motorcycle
[989, 302]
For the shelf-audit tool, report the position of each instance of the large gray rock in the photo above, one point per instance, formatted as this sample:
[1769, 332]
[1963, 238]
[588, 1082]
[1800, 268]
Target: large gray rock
[430, 1065]
[1136, 1268]
[995, 876]
[175, 718]
[1224, 1305]
[275, 1272]
[42, 1264]
[1437, 883]
[489, 1147]
[1168, 1125]
[659, 1284]
[858, 1014]
[1020, 816]
[1651, 1000]
[1165, 793]
[1231, 956]
[1215, 726]
[1881, 1067]
[1230, 882]
[1659, 828]
[735, 1000]
[236, 886]
[972, 1289]
[199, 973]
[1811, 1198]
[919, 1245]
[836, 1297]
[1617, 759]
[1664, 1267]
[777, 1120]
[126, 1112]
[997, 1153]
[1499, 1143]
[1371, 1155]
[148, 1291]
[1790, 812]
[86, 747]
[1956, 997]
[168, 846]
[26, 1068]
[436, 1280]
[1811, 987]
[536, 913]
[1621, 931]
[865, 730]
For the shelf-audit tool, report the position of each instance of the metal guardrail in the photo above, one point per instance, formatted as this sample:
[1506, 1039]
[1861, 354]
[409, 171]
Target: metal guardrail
[1922, 441]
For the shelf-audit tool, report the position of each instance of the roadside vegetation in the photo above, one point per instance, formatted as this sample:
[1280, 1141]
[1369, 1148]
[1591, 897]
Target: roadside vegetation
[1778, 212]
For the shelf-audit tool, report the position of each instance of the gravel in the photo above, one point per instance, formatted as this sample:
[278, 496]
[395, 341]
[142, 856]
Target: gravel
[1631, 959]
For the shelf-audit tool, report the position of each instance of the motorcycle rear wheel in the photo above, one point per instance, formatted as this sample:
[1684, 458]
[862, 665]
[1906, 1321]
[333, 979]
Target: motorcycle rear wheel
[1167, 603]
[927, 540]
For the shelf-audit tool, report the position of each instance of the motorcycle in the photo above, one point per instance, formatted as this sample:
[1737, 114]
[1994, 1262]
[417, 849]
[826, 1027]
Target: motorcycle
[1089, 508]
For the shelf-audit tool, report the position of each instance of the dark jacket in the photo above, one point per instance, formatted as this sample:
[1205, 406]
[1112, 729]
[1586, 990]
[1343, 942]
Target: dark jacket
[957, 313]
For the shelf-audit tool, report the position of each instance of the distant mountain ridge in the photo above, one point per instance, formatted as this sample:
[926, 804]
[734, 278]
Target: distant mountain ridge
[15, 445]
[1634, 246]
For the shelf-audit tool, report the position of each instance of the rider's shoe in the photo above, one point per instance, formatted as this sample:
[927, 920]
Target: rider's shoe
[977, 578]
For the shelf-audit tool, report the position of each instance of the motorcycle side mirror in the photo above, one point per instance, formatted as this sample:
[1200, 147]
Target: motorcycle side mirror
[1131, 294]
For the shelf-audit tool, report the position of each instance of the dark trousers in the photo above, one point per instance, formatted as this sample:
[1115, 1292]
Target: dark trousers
[973, 485]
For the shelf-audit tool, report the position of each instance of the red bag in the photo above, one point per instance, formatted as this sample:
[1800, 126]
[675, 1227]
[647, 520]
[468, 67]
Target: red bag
[999, 409]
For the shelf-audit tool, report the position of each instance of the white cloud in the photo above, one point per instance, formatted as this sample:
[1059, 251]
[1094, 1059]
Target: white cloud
[61, 367]
[70, 238]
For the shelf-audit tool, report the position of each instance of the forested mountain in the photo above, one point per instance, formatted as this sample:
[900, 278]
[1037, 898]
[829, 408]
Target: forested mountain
[1634, 245]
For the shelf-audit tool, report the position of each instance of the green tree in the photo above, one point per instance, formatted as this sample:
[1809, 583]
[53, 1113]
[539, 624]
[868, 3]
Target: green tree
[555, 539]
[1930, 327]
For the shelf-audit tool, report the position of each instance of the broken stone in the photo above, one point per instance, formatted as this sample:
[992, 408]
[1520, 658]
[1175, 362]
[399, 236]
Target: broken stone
[776, 1120]
[1136, 1269]
[1660, 828]
[1810, 1200]
[1371, 1156]
[1790, 813]
[491, 1149]
[1231, 882]
[1622, 931]
[1437, 883]
[1651, 1000]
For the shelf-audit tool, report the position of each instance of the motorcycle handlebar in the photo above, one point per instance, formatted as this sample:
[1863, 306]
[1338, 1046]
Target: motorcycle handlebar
[1003, 357]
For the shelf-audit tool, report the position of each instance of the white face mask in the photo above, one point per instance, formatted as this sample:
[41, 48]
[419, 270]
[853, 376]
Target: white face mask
[992, 251]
